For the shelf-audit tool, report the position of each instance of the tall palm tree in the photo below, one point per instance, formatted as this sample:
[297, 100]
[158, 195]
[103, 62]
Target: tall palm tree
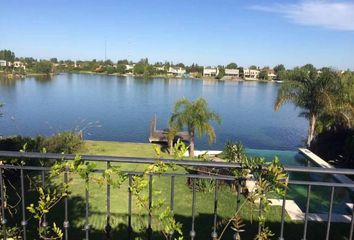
[310, 90]
[196, 117]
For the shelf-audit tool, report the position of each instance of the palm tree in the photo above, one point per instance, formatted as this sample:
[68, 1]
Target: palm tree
[310, 90]
[196, 117]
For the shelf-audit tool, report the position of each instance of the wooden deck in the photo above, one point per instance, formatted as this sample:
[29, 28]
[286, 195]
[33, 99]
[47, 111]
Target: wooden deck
[160, 136]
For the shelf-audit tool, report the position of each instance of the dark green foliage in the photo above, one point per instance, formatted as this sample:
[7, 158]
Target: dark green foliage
[121, 68]
[43, 67]
[336, 144]
[231, 66]
[110, 69]
[139, 68]
[7, 55]
[263, 75]
[221, 73]
[67, 142]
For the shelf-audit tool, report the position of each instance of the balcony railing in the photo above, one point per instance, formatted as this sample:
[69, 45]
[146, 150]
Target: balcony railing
[327, 218]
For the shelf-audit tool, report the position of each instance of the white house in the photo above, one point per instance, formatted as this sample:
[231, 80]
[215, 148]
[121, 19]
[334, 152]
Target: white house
[232, 72]
[18, 64]
[2, 63]
[129, 67]
[176, 70]
[210, 72]
[250, 73]
[162, 68]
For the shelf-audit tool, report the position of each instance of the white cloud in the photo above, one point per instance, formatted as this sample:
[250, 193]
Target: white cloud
[327, 14]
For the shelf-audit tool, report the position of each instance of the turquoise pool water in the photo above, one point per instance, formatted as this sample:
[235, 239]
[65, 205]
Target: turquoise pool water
[319, 201]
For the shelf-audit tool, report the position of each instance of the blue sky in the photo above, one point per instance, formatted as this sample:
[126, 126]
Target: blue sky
[208, 32]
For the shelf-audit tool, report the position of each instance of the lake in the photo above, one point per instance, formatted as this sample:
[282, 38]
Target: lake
[121, 108]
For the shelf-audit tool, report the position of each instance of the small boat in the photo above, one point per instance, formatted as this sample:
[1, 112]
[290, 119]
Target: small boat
[279, 81]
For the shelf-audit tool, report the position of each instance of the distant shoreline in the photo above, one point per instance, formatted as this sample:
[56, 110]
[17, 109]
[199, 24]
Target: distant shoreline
[171, 77]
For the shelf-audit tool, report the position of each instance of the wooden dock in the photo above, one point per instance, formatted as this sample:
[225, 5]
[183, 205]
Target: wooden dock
[160, 136]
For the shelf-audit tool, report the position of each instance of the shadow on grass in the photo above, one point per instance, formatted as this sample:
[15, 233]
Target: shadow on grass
[203, 226]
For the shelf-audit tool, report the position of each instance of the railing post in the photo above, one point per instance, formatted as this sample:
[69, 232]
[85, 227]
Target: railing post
[237, 236]
[45, 223]
[214, 234]
[23, 203]
[66, 217]
[307, 212]
[172, 201]
[3, 218]
[108, 227]
[149, 229]
[130, 230]
[330, 213]
[351, 224]
[192, 232]
[281, 237]
[87, 224]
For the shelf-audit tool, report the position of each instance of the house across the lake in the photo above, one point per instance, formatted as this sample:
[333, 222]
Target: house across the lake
[129, 67]
[210, 71]
[160, 69]
[2, 63]
[174, 71]
[250, 74]
[19, 64]
[271, 74]
[233, 73]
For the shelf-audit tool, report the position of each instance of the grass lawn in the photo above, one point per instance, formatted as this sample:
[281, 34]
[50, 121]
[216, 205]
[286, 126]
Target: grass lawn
[182, 208]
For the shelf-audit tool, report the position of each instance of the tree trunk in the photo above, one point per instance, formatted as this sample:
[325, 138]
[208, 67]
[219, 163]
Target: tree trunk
[311, 131]
[191, 145]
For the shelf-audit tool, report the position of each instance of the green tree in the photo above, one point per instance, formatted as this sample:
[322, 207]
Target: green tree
[121, 68]
[253, 67]
[263, 74]
[279, 68]
[231, 66]
[43, 67]
[149, 70]
[221, 73]
[123, 62]
[110, 69]
[7, 55]
[196, 117]
[139, 68]
[310, 91]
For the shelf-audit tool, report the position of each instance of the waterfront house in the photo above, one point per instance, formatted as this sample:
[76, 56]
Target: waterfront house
[129, 67]
[2, 63]
[210, 72]
[235, 73]
[19, 64]
[251, 74]
[176, 71]
[271, 74]
[160, 69]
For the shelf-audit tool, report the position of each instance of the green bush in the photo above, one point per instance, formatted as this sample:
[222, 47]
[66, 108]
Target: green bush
[66, 142]
[16, 143]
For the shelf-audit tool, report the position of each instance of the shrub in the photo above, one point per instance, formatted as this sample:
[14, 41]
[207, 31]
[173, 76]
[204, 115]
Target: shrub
[335, 144]
[16, 143]
[66, 142]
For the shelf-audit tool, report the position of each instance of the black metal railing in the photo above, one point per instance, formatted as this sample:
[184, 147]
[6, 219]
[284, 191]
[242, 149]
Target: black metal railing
[309, 184]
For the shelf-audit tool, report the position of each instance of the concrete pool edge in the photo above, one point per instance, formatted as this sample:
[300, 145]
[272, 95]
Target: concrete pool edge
[322, 163]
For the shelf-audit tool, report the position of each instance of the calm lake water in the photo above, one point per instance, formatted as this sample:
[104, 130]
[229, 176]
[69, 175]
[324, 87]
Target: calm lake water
[120, 109]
